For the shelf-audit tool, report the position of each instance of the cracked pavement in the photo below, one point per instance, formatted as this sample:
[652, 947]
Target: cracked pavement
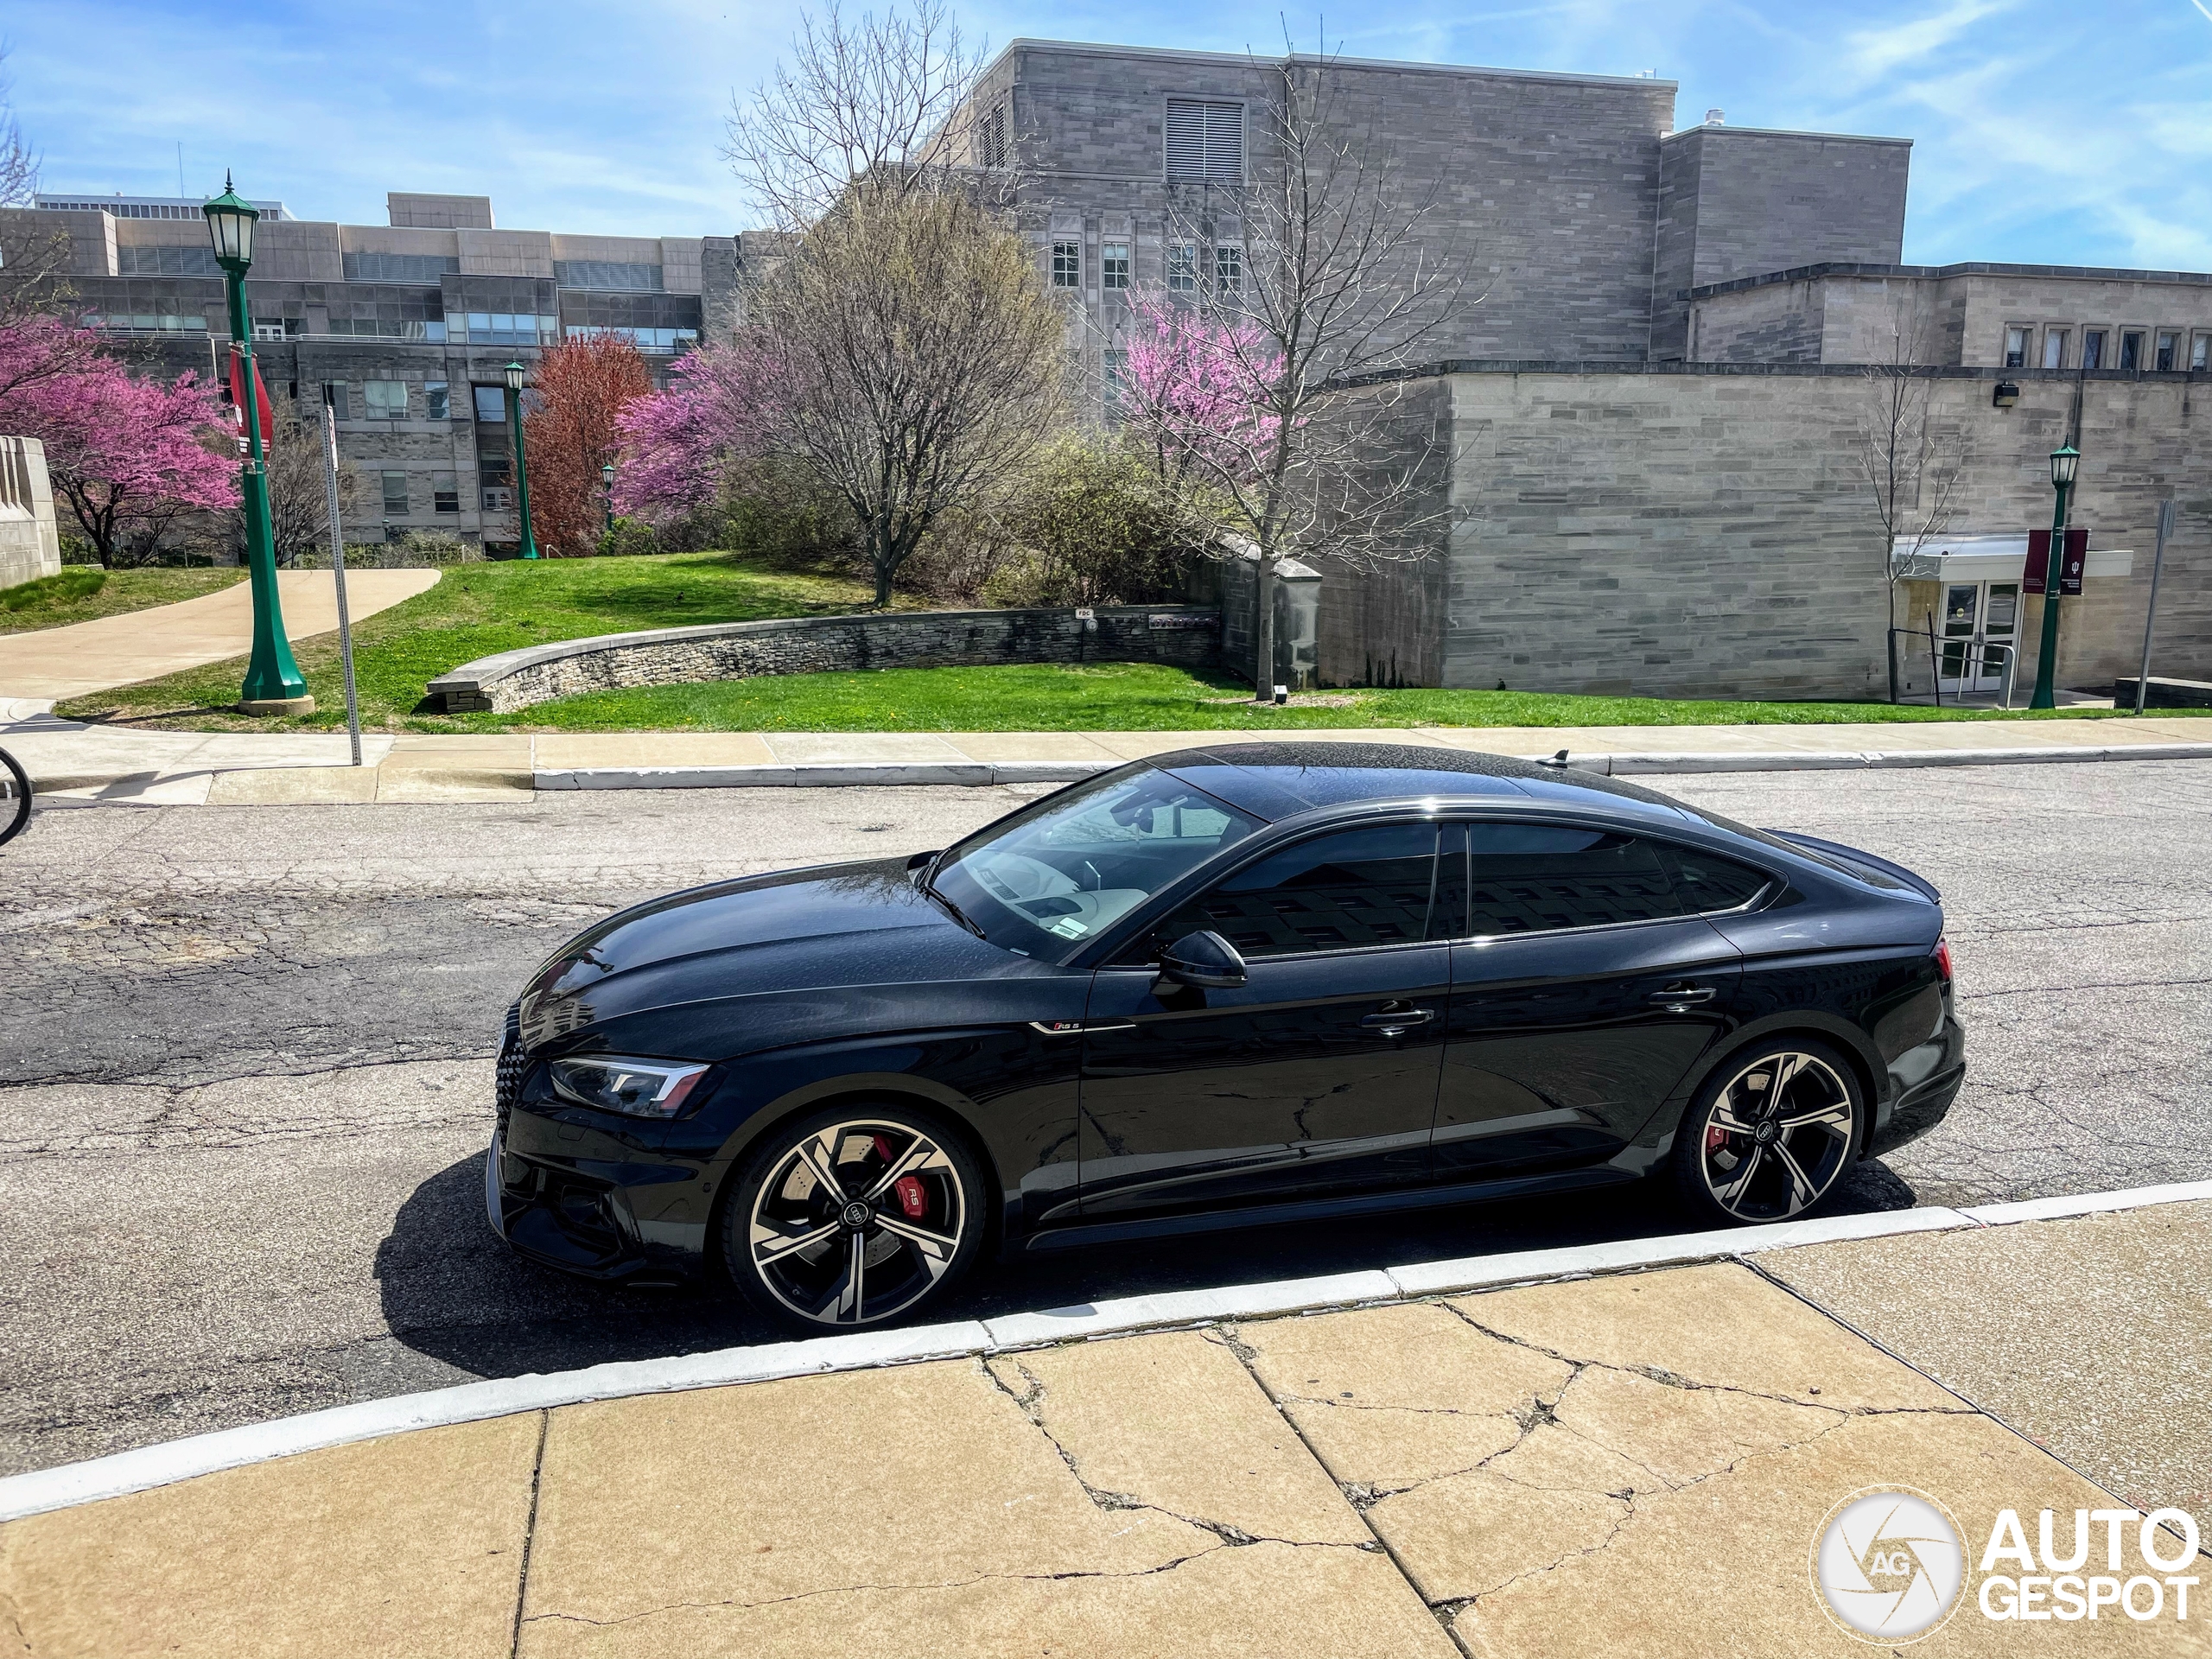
[1636, 1463]
[249, 1053]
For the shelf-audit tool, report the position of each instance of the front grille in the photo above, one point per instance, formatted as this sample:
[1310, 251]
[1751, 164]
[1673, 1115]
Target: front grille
[507, 1084]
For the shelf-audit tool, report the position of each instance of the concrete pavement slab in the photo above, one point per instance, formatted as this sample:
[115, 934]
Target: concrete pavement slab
[402, 1547]
[916, 1511]
[2091, 1336]
[136, 645]
[293, 787]
[1212, 1446]
[582, 751]
[804, 748]
[1032, 746]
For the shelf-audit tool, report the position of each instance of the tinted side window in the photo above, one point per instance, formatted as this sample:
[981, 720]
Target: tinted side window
[1710, 883]
[1534, 877]
[1338, 891]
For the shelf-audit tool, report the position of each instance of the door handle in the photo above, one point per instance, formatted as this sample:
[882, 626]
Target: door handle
[1682, 996]
[1394, 1023]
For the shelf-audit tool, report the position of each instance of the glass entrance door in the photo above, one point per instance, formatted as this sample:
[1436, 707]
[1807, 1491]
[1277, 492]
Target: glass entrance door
[1981, 621]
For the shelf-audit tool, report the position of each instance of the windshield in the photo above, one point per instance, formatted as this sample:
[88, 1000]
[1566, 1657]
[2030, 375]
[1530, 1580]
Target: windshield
[1046, 880]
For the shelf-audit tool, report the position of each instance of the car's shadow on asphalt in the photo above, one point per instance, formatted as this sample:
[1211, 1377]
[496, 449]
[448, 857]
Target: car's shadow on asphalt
[454, 1293]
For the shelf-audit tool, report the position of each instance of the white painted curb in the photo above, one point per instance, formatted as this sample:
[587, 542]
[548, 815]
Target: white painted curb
[201, 1454]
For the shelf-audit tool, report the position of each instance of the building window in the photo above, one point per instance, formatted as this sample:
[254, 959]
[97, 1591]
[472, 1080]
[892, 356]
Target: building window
[2131, 350]
[436, 404]
[2092, 348]
[504, 328]
[2054, 348]
[445, 493]
[264, 329]
[1205, 142]
[2016, 348]
[490, 402]
[395, 495]
[1113, 264]
[2200, 353]
[340, 407]
[497, 498]
[1067, 264]
[386, 400]
[1229, 268]
[1113, 375]
[2168, 355]
[1183, 267]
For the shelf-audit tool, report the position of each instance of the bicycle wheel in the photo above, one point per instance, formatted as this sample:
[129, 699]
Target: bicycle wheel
[14, 797]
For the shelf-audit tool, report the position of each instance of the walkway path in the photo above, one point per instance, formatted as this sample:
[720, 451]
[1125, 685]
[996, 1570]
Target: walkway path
[1421, 1465]
[249, 768]
[58, 663]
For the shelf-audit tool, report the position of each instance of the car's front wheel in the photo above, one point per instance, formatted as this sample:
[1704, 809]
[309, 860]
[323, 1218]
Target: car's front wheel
[852, 1216]
[1770, 1136]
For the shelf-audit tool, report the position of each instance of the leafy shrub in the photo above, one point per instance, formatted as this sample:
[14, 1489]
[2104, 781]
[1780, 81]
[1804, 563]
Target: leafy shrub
[626, 538]
[781, 513]
[1095, 529]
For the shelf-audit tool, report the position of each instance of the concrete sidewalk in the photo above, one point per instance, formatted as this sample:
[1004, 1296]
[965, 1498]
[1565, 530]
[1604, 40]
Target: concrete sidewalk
[1631, 1464]
[57, 663]
[238, 769]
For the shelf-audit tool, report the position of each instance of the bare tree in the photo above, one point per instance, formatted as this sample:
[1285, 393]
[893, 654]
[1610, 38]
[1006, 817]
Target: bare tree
[883, 100]
[34, 258]
[1912, 463]
[913, 359]
[299, 499]
[1338, 284]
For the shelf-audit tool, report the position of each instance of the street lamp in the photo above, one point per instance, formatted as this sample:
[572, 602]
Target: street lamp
[607, 477]
[2065, 462]
[515, 372]
[273, 684]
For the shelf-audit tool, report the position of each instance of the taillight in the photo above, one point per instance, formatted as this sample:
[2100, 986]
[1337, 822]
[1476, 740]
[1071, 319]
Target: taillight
[1943, 959]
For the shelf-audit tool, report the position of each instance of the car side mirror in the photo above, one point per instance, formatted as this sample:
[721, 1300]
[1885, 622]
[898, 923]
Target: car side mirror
[1205, 960]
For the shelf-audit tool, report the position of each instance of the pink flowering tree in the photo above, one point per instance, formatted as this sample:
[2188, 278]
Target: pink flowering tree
[36, 348]
[1196, 392]
[678, 445]
[127, 454]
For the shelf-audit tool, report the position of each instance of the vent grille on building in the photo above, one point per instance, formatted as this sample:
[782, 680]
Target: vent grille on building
[398, 267]
[995, 137]
[1205, 141]
[604, 273]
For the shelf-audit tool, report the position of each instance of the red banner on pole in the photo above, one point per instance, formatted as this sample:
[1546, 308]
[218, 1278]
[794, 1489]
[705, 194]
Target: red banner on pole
[2035, 577]
[260, 397]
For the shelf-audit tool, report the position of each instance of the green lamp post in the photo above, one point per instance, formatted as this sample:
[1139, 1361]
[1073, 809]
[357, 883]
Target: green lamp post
[607, 477]
[515, 372]
[2064, 464]
[274, 684]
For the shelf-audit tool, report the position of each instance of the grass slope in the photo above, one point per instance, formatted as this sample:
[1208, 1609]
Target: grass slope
[474, 611]
[77, 593]
[1124, 697]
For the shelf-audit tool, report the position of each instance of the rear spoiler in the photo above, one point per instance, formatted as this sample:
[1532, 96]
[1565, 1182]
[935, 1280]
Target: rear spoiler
[1850, 855]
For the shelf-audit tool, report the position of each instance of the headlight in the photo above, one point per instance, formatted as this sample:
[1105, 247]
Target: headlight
[635, 1088]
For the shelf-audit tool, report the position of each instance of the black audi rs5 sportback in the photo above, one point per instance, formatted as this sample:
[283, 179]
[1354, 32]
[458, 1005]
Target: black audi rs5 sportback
[1269, 983]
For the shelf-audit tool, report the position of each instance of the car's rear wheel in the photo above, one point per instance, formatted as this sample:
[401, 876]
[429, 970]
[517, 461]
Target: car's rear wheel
[1771, 1134]
[852, 1216]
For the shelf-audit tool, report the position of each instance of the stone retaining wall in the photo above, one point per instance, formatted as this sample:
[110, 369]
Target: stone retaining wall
[1185, 635]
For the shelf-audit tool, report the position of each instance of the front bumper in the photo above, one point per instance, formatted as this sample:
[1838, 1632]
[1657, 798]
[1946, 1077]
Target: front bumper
[606, 1198]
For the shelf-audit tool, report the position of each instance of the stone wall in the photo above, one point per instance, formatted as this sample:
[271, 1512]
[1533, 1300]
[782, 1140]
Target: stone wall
[1185, 635]
[1706, 531]
[30, 545]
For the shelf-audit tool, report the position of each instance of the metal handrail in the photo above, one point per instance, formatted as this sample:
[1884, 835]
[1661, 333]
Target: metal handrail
[1969, 647]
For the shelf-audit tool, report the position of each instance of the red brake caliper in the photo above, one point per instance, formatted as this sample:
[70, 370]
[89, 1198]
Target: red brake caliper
[913, 1198]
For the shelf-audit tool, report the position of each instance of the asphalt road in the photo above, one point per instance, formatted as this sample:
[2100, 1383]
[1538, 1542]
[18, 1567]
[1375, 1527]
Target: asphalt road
[249, 1057]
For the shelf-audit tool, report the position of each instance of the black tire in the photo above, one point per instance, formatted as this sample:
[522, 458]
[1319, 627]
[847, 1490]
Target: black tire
[904, 1222]
[15, 798]
[1771, 1133]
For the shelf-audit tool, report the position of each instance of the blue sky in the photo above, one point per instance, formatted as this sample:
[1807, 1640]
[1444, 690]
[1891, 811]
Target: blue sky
[2069, 133]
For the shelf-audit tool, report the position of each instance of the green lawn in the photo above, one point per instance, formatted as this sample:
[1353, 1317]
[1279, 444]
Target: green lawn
[82, 592]
[474, 611]
[1126, 698]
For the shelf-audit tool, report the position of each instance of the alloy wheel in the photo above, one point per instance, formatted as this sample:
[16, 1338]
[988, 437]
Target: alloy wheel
[1777, 1135]
[856, 1221]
